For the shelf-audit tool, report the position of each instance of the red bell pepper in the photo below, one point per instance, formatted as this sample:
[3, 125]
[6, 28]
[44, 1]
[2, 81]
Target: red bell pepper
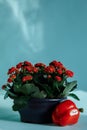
[66, 113]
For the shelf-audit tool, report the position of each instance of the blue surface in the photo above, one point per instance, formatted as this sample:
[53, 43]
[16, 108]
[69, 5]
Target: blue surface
[6, 125]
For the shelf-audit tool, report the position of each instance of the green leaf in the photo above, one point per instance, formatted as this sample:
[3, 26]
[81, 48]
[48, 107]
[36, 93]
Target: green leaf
[9, 94]
[29, 89]
[26, 89]
[16, 107]
[74, 88]
[48, 91]
[56, 85]
[17, 88]
[74, 96]
[19, 103]
[69, 87]
[6, 95]
[39, 94]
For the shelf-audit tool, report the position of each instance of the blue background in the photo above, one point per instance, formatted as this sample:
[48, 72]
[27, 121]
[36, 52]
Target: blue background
[42, 31]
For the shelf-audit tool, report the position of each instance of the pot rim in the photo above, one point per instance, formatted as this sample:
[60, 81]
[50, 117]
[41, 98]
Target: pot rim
[47, 99]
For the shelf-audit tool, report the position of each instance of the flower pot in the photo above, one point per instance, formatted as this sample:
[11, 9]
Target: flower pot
[39, 110]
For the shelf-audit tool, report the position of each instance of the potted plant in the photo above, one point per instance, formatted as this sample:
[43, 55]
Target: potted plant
[38, 88]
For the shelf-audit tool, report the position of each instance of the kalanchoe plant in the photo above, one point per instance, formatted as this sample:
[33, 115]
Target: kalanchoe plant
[28, 81]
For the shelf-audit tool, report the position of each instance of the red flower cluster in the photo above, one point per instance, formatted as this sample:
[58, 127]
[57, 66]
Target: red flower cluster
[55, 70]
[59, 70]
[21, 68]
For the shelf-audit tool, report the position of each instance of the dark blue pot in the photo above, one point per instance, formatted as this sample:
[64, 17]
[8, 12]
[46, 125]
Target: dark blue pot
[39, 110]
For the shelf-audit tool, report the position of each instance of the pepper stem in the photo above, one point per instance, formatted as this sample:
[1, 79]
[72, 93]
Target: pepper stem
[81, 109]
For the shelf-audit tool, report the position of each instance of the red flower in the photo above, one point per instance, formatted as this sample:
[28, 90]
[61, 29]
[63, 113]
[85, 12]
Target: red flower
[35, 70]
[19, 65]
[26, 78]
[63, 69]
[4, 87]
[27, 63]
[58, 78]
[28, 68]
[40, 65]
[12, 77]
[11, 70]
[56, 64]
[9, 80]
[50, 69]
[69, 73]
[59, 71]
